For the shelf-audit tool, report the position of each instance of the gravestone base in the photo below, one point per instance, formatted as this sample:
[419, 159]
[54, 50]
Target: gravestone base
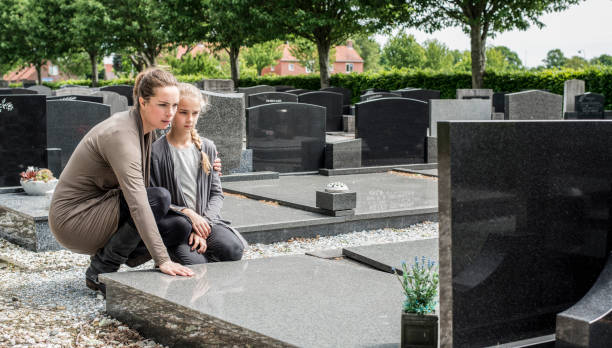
[343, 154]
[337, 204]
[432, 149]
[246, 162]
[348, 123]
[497, 116]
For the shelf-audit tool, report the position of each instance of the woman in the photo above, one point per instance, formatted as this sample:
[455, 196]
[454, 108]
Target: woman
[181, 163]
[101, 205]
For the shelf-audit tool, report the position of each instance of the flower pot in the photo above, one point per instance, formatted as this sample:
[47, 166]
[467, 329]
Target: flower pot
[38, 188]
[419, 331]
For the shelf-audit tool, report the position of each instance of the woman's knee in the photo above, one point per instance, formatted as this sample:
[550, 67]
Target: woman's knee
[159, 200]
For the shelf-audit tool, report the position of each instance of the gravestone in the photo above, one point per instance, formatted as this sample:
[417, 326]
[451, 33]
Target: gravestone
[571, 88]
[332, 102]
[347, 95]
[533, 105]
[9, 91]
[4, 83]
[474, 92]
[524, 225]
[343, 154]
[283, 88]
[74, 91]
[271, 97]
[499, 102]
[392, 130]
[253, 90]
[298, 91]
[88, 98]
[590, 106]
[23, 136]
[286, 137]
[117, 102]
[419, 94]
[378, 95]
[41, 89]
[124, 90]
[457, 109]
[68, 121]
[373, 90]
[218, 85]
[224, 124]
[28, 83]
[71, 86]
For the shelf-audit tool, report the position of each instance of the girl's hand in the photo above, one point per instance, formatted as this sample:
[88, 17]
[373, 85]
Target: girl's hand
[199, 224]
[217, 164]
[173, 268]
[195, 241]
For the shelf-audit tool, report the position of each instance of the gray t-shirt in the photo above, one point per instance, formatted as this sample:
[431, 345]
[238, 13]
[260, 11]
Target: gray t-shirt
[186, 162]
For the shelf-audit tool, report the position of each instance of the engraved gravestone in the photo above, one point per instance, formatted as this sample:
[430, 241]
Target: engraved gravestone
[373, 90]
[392, 130]
[286, 137]
[124, 90]
[298, 91]
[419, 94]
[69, 120]
[332, 102]
[7, 91]
[74, 90]
[590, 106]
[253, 90]
[347, 94]
[117, 102]
[499, 102]
[283, 88]
[571, 88]
[271, 97]
[533, 105]
[88, 98]
[218, 85]
[378, 95]
[23, 136]
[40, 89]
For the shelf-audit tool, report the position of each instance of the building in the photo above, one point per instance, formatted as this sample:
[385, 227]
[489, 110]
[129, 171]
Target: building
[49, 73]
[347, 61]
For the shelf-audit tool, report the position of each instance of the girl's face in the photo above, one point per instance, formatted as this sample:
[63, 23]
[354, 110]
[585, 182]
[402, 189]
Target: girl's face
[187, 114]
[158, 111]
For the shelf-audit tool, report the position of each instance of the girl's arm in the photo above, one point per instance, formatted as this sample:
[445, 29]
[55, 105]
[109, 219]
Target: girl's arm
[215, 200]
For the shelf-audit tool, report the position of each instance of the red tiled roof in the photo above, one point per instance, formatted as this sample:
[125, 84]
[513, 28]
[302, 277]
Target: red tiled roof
[22, 74]
[343, 54]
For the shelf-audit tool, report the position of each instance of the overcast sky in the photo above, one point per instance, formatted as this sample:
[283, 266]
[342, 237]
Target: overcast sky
[586, 27]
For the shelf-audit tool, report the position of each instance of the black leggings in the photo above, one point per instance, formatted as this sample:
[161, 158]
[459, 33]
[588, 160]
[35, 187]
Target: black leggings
[173, 228]
[222, 245]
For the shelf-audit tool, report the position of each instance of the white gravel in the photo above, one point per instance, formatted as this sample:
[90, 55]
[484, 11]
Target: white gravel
[44, 301]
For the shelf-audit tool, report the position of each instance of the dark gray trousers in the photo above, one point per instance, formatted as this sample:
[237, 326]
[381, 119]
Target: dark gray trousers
[222, 245]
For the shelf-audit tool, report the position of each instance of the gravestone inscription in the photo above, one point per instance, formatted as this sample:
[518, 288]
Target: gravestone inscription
[271, 97]
[378, 95]
[590, 106]
[88, 98]
[332, 102]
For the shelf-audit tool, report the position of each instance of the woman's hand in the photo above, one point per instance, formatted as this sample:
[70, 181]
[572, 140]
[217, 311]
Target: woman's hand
[199, 224]
[173, 268]
[195, 241]
[217, 164]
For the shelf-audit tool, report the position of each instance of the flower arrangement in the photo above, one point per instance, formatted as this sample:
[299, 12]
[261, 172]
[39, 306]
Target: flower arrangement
[35, 174]
[420, 284]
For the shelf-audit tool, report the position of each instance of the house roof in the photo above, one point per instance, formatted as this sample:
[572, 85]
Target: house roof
[343, 54]
[21, 74]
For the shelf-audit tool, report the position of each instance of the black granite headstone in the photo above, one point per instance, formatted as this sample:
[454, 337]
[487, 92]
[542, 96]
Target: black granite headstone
[476, 97]
[373, 90]
[378, 95]
[499, 101]
[392, 130]
[9, 91]
[271, 97]
[419, 94]
[69, 120]
[298, 91]
[23, 137]
[332, 102]
[124, 90]
[283, 88]
[87, 98]
[590, 106]
[525, 221]
[286, 137]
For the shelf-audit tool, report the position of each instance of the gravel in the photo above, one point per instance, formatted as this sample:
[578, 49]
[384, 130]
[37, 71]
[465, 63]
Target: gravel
[44, 301]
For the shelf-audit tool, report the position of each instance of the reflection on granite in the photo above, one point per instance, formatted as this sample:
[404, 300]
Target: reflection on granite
[281, 301]
[524, 224]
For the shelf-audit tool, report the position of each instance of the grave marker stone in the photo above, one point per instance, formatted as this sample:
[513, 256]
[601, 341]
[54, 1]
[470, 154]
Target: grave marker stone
[8, 91]
[286, 137]
[271, 97]
[571, 88]
[457, 109]
[41, 89]
[4, 83]
[117, 102]
[392, 130]
[332, 102]
[283, 88]
[124, 90]
[218, 85]
[590, 106]
[74, 91]
[253, 90]
[347, 95]
[298, 91]
[88, 98]
[533, 105]
[499, 102]
[474, 92]
[419, 94]
[378, 95]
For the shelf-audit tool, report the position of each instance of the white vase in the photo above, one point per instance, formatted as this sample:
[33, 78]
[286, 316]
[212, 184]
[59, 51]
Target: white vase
[38, 188]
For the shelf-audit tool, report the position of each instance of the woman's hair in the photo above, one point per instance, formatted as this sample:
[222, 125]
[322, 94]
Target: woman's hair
[188, 90]
[149, 79]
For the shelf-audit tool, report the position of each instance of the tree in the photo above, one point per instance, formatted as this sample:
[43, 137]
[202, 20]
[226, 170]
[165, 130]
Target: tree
[510, 56]
[437, 56]
[200, 63]
[481, 19]
[502, 59]
[554, 59]
[77, 64]
[402, 51]
[369, 50]
[604, 59]
[307, 55]
[263, 54]
[576, 62]
[327, 23]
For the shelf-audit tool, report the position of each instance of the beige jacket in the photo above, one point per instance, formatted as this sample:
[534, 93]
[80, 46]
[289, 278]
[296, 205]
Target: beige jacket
[113, 156]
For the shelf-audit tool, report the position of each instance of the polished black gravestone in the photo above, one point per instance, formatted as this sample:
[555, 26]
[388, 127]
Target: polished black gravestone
[377, 95]
[590, 106]
[271, 97]
[373, 90]
[499, 102]
[286, 137]
[524, 224]
[298, 91]
[124, 90]
[23, 136]
[68, 121]
[87, 98]
[392, 130]
[347, 95]
[419, 94]
[283, 88]
[332, 102]
[10, 91]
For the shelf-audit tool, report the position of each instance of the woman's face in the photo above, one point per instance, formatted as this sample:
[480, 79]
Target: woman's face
[157, 112]
[187, 114]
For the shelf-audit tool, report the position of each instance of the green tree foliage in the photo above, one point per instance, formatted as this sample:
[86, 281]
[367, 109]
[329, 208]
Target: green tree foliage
[202, 63]
[403, 51]
[369, 50]
[307, 54]
[263, 54]
[554, 59]
[502, 59]
[438, 56]
[604, 59]
[576, 62]
[77, 64]
[481, 19]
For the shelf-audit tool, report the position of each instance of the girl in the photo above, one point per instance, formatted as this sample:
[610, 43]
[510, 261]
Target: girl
[101, 204]
[181, 163]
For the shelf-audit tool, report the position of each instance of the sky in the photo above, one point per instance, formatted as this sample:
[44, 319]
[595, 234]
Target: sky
[582, 30]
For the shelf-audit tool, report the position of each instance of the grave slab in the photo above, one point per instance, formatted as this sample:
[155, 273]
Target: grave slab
[282, 301]
[427, 172]
[387, 257]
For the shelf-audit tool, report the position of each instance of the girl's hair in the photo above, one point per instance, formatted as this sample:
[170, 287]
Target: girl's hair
[188, 90]
[149, 79]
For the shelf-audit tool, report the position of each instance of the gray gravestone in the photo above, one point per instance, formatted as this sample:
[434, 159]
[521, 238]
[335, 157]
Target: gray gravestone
[271, 97]
[253, 90]
[124, 90]
[419, 94]
[298, 91]
[74, 90]
[332, 102]
[224, 124]
[377, 95]
[218, 85]
[571, 88]
[40, 89]
[68, 121]
[457, 109]
[4, 83]
[590, 106]
[286, 137]
[474, 92]
[533, 105]
[117, 102]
